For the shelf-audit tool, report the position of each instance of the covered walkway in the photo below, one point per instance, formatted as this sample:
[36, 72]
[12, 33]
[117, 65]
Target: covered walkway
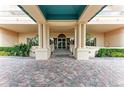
[62, 53]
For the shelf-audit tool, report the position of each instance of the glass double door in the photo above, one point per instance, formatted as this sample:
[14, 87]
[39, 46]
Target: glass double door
[61, 43]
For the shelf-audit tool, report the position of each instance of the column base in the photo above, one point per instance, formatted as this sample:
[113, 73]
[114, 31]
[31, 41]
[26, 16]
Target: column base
[71, 48]
[49, 52]
[74, 52]
[82, 54]
[52, 48]
[42, 54]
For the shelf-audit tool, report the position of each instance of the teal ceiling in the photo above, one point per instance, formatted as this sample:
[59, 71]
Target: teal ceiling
[62, 12]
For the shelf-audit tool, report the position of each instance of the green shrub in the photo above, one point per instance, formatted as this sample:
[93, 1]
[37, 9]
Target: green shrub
[21, 50]
[6, 49]
[117, 54]
[3, 53]
[107, 52]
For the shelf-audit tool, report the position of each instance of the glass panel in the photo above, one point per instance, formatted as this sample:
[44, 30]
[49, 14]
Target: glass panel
[59, 44]
[59, 39]
[68, 43]
[90, 40]
[55, 43]
[63, 44]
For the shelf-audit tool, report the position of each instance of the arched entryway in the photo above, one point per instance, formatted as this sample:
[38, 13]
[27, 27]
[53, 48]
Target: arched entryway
[63, 44]
[61, 41]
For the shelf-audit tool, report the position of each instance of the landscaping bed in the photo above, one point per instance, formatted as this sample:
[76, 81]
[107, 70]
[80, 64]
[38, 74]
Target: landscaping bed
[110, 52]
[17, 50]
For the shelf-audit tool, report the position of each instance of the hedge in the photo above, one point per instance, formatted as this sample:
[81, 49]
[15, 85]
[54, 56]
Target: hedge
[3, 53]
[17, 50]
[6, 49]
[117, 54]
[107, 52]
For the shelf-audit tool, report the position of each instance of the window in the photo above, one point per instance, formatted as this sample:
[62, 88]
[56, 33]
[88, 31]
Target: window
[33, 41]
[90, 40]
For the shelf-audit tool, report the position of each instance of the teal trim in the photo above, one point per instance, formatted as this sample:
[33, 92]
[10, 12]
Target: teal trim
[62, 12]
[26, 12]
[98, 12]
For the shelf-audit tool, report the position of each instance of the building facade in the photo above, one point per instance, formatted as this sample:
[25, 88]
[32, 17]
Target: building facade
[63, 27]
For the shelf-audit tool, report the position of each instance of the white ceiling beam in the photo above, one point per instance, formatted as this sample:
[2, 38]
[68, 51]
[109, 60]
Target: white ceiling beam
[35, 12]
[89, 12]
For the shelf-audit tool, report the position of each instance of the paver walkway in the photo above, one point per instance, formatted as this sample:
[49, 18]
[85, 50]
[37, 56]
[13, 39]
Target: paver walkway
[61, 70]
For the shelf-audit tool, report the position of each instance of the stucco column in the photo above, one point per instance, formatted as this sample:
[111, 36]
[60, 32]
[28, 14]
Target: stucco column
[44, 36]
[79, 36]
[48, 36]
[75, 37]
[75, 40]
[82, 53]
[42, 51]
[83, 36]
[48, 40]
[40, 33]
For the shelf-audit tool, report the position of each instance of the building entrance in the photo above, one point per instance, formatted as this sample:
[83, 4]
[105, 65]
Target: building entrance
[61, 42]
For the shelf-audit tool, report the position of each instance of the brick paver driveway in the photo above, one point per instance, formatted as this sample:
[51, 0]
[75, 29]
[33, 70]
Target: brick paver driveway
[61, 70]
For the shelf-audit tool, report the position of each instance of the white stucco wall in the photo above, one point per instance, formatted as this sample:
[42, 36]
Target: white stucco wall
[114, 38]
[23, 36]
[8, 38]
[99, 38]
